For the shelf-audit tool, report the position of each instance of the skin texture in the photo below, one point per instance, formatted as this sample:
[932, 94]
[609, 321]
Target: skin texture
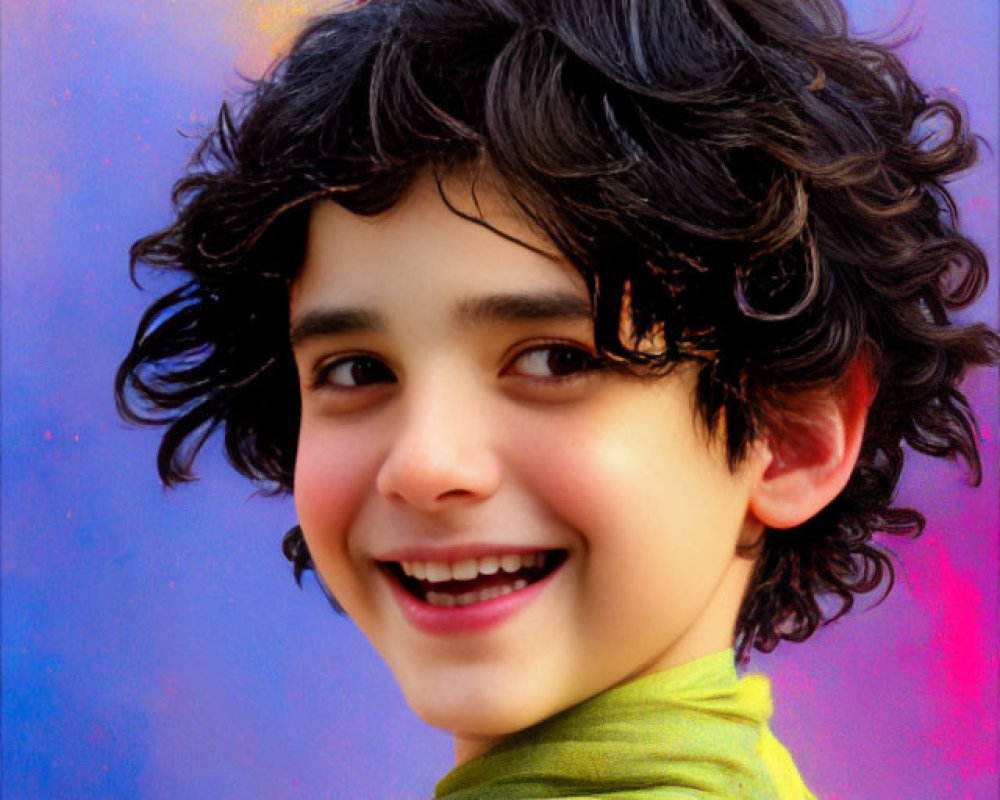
[466, 436]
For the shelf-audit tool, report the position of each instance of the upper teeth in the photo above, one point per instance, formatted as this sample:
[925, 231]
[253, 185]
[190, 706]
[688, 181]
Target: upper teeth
[468, 569]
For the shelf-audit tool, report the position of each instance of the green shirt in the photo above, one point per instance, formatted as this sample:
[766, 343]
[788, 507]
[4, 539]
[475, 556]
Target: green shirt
[696, 731]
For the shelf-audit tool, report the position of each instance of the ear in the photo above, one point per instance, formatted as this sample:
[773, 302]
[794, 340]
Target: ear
[806, 460]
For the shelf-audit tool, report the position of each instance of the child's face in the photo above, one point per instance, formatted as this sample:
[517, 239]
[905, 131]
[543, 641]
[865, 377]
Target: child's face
[449, 416]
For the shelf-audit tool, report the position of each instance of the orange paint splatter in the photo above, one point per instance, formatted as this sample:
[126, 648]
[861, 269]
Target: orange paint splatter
[270, 26]
[274, 19]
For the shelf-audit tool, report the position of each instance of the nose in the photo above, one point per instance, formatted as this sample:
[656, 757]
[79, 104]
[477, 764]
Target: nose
[441, 453]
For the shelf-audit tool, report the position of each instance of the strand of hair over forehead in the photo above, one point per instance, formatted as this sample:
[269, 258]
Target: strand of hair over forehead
[658, 166]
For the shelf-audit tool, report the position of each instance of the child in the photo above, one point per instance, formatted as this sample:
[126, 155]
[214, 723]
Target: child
[586, 336]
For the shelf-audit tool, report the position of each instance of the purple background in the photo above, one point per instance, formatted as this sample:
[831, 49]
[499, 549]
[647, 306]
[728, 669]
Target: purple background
[154, 644]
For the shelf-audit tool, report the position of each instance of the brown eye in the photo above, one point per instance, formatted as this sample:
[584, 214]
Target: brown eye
[354, 372]
[553, 361]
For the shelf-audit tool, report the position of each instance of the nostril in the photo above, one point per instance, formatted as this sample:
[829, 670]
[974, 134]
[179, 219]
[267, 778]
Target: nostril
[456, 493]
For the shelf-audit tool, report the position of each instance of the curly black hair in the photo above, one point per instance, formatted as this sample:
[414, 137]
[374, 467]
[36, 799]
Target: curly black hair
[767, 191]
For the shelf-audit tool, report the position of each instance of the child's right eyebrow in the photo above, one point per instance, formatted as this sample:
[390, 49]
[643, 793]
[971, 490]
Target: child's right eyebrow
[334, 321]
[468, 312]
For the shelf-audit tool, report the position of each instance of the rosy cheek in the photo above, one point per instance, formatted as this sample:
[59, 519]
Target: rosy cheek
[332, 475]
[571, 469]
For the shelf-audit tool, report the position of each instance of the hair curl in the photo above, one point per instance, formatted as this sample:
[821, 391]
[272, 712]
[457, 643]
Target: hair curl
[768, 192]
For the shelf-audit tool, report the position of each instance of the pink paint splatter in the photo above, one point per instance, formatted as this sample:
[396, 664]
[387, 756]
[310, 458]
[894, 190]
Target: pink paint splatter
[959, 696]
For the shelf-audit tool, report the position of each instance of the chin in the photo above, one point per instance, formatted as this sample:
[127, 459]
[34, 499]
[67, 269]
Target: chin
[477, 714]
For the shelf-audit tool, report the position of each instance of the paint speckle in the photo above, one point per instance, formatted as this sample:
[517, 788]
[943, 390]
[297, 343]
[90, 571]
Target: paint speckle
[265, 29]
[274, 19]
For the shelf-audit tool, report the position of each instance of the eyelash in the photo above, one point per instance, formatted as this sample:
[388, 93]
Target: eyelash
[588, 363]
[321, 379]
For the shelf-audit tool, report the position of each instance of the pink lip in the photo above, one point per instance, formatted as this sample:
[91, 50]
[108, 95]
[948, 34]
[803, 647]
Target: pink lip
[445, 620]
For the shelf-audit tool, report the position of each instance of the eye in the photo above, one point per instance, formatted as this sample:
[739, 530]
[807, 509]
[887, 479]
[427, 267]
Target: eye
[353, 372]
[553, 361]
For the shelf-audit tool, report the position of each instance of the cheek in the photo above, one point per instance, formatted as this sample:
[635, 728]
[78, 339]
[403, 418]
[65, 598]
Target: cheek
[657, 483]
[581, 472]
[332, 476]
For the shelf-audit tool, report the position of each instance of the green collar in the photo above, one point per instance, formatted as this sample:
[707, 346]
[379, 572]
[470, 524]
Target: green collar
[693, 731]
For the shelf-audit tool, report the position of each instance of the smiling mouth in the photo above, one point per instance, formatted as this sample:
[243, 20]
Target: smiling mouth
[472, 580]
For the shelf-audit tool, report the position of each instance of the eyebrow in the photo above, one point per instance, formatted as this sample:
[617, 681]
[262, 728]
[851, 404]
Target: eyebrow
[333, 321]
[521, 307]
[469, 312]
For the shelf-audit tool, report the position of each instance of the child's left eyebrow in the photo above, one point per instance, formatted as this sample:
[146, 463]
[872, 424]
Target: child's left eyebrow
[519, 307]
[468, 312]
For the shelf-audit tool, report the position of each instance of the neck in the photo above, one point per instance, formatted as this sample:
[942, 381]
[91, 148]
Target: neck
[470, 747]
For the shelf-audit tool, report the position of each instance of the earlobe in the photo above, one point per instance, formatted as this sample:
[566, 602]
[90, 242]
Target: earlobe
[807, 459]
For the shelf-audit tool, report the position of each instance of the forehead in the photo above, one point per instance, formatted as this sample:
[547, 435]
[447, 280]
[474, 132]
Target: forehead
[424, 246]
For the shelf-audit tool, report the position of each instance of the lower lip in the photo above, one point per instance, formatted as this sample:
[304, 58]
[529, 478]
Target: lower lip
[450, 620]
